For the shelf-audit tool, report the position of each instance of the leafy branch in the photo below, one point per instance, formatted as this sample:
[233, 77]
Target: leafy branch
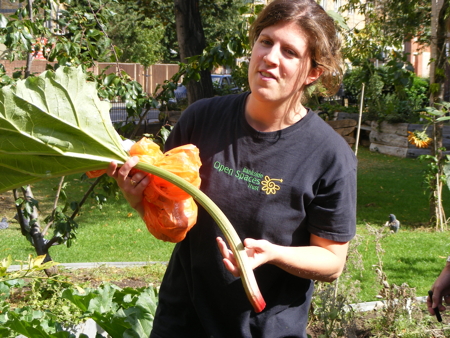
[438, 168]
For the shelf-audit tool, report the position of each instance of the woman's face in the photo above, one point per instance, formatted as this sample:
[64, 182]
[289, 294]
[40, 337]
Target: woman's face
[280, 64]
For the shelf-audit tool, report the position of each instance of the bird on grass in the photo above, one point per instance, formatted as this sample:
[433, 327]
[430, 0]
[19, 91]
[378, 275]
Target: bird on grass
[4, 223]
[393, 223]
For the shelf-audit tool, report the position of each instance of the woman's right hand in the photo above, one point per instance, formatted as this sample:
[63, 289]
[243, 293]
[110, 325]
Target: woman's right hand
[131, 182]
[441, 291]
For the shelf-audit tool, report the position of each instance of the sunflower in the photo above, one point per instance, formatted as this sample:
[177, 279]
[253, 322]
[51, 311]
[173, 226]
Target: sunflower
[419, 138]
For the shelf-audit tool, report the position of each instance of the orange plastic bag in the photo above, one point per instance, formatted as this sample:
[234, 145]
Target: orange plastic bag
[169, 212]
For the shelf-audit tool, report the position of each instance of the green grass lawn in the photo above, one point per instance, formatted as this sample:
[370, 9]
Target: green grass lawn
[416, 254]
[386, 185]
[113, 233]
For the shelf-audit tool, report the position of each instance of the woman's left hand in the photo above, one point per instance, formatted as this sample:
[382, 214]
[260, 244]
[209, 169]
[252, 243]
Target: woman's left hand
[322, 260]
[258, 251]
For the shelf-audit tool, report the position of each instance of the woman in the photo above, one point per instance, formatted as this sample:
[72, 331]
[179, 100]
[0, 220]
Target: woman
[282, 176]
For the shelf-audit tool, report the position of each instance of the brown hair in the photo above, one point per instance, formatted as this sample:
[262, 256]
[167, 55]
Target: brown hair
[323, 42]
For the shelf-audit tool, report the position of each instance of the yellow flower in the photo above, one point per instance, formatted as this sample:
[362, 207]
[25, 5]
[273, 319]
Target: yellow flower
[419, 138]
[269, 186]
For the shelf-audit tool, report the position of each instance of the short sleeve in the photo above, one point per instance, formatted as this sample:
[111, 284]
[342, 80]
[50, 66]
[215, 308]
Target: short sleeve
[332, 213]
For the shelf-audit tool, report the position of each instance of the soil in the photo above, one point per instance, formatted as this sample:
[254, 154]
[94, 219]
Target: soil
[84, 276]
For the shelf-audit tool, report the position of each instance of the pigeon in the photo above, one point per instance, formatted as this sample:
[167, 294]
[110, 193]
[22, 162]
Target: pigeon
[4, 223]
[393, 223]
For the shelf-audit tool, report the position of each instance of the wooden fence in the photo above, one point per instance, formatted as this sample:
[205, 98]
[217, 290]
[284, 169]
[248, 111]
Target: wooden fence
[149, 78]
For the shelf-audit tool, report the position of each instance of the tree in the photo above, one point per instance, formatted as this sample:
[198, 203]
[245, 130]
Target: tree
[191, 40]
[197, 35]
[387, 24]
[139, 37]
[214, 30]
[440, 26]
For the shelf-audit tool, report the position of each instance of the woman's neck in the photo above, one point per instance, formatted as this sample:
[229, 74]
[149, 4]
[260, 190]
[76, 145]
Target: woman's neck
[267, 117]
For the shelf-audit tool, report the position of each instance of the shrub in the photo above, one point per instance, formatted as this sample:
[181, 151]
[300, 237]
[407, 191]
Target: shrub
[393, 92]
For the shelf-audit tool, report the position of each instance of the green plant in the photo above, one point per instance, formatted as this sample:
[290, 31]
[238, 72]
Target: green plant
[438, 167]
[120, 312]
[137, 35]
[86, 140]
[240, 75]
[222, 90]
[75, 38]
[399, 301]
[328, 109]
[51, 307]
[393, 92]
[26, 270]
[332, 312]
[44, 310]
[386, 184]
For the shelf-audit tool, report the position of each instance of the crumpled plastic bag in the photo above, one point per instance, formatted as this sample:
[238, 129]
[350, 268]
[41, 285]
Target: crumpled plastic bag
[169, 212]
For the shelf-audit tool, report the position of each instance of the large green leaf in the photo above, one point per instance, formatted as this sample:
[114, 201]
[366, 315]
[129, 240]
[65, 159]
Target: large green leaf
[54, 125]
[120, 312]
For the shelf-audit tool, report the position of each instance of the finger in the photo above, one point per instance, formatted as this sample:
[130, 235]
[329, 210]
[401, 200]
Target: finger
[126, 168]
[434, 300]
[111, 170]
[231, 267]
[430, 306]
[137, 176]
[249, 242]
[141, 185]
[223, 248]
[228, 258]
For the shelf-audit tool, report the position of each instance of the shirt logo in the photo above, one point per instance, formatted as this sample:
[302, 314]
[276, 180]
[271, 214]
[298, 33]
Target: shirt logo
[253, 179]
[269, 186]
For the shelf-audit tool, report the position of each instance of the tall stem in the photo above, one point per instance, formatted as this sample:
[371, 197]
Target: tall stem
[235, 243]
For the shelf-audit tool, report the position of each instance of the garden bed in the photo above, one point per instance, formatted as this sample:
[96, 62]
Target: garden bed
[392, 138]
[362, 324]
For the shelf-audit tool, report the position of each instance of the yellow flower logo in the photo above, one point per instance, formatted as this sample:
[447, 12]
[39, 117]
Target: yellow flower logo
[269, 186]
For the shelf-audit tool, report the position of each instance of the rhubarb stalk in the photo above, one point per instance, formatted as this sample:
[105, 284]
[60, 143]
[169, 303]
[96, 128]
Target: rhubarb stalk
[235, 243]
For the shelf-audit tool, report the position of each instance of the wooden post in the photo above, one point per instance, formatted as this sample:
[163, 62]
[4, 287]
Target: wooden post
[358, 132]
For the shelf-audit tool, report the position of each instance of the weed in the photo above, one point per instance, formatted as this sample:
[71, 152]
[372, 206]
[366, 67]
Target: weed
[330, 310]
[400, 309]
[331, 313]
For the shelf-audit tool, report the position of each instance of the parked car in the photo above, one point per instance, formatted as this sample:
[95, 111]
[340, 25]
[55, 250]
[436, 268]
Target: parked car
[180, 92]
[223, 84]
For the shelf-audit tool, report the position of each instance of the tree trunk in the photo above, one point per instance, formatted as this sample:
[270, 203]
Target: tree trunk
[29, 55]
[191, 41]
[30, 227]
[439, 28]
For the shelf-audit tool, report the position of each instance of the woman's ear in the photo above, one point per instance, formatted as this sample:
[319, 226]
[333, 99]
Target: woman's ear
[314, 74]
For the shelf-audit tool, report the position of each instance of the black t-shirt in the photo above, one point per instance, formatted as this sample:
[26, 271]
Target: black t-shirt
[280, 186]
